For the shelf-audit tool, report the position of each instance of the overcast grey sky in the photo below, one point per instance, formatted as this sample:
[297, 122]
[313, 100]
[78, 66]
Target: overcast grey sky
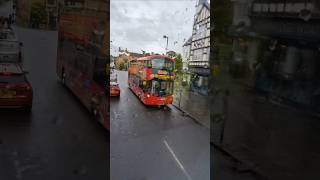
[140, 24]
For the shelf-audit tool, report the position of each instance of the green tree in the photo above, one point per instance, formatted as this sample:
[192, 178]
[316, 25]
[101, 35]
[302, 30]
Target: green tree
[178, 63]
[223, 13]
[38, 14]
[121, 65]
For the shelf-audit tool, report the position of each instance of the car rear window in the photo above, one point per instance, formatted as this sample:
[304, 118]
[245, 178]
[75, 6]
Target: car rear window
[7, 35]
[12, 79]
[9, 46]
[9, 58]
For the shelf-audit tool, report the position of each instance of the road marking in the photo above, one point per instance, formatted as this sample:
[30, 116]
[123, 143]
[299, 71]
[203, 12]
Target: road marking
[177, 160]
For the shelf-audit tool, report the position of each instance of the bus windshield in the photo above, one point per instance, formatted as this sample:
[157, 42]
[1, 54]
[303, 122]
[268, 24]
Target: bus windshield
[162, 64]
[160, 87]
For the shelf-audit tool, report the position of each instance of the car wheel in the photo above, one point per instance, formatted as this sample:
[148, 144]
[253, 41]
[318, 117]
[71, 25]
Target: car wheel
[27, 109]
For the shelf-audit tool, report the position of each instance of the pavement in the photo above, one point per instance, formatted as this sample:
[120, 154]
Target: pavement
[224, 166]
[192, 104]
[149, 143]
[59, 139]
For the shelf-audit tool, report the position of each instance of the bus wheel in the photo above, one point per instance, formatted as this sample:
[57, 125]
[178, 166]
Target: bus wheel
[97, 116]
[63, 77]
[27, 109]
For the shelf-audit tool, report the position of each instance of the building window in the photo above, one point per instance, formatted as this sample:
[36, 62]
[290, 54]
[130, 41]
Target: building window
[272, 7]
[297, 7]
[257, 7]
[205, 50]
[280, 7]
[265, 7]
[289, 7]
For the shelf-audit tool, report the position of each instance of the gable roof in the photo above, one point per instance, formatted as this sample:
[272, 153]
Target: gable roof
[188, 42]
[205, 3]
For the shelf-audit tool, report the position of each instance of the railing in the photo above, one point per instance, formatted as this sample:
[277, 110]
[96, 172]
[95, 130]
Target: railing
[198, 63]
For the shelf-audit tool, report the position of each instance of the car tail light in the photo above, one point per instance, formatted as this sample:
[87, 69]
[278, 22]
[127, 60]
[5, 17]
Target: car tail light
[24, 86]
[23, 89]
[6, 73]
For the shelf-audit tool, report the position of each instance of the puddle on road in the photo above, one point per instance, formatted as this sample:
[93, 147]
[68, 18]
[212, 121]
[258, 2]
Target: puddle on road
[25, 164]
[82, 170]
[56, 120]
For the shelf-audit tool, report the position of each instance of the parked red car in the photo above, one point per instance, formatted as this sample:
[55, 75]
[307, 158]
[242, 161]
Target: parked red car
[114, 89]
[15, 90]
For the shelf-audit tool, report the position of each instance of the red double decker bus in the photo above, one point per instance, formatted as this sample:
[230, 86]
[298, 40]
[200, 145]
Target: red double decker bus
[82, 56]
[151, 78]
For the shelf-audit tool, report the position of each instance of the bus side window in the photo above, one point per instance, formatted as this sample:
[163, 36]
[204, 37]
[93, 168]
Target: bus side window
[147, 86]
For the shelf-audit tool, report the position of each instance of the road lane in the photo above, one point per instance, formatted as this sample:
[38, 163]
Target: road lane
[151, 143]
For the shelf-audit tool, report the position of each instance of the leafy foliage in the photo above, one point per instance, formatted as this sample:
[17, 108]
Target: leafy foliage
[121, 66]
[178, 64]
[222, 17]
[38, 14]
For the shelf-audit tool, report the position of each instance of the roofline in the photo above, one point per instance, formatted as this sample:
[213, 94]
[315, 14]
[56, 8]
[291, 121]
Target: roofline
[153, 57]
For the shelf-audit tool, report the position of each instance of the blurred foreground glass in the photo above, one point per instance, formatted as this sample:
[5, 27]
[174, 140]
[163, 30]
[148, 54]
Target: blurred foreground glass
[266, 92]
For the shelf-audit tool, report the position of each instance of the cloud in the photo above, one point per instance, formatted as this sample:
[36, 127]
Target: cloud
[141, 24]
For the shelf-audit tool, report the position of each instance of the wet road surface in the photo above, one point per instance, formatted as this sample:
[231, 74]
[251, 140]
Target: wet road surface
[155, 144]
[59, 139]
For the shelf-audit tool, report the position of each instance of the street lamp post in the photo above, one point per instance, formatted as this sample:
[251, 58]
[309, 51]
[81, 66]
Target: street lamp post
[180, 98]
[166, 37]
[180, 92]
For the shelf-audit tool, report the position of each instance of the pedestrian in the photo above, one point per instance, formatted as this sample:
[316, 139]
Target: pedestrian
[1, 22]
[10, 19]
[13, 18]
[6, 23]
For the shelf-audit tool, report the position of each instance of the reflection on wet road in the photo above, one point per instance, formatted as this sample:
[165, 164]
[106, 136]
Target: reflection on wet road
[155, 144]
[59, 140]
